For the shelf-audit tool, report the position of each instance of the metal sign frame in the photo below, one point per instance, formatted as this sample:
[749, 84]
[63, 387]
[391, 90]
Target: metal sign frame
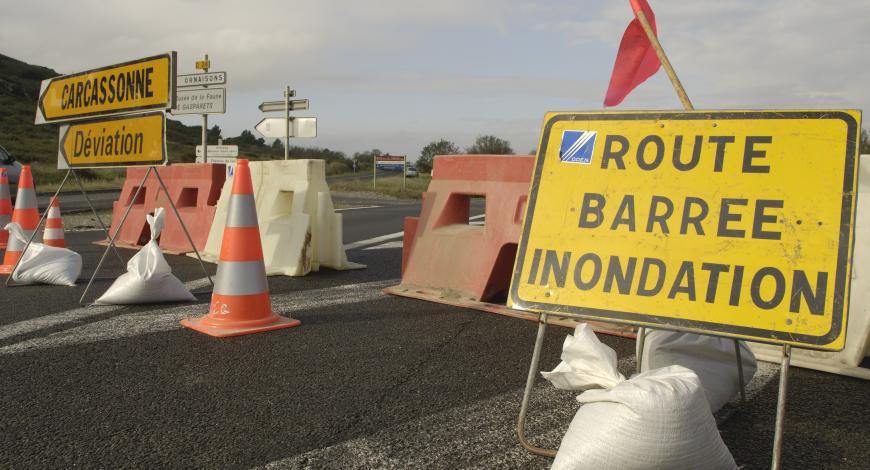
[41, 118]
[841, 274]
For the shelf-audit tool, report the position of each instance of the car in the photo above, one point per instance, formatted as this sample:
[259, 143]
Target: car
[412, 172]
[13, 170]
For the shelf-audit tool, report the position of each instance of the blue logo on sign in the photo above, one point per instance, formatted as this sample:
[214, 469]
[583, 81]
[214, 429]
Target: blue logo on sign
[577, 146]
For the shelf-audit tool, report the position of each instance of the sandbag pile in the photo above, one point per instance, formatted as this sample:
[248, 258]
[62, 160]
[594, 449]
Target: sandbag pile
[712, 358]
[659, 419]
[43, 264]
[149, 277]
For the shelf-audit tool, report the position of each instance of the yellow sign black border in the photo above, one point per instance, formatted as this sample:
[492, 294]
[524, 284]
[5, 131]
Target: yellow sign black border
[164, 156]
[756, 334]
[172, 56]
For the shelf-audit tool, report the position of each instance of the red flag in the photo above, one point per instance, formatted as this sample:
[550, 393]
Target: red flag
[636, 60]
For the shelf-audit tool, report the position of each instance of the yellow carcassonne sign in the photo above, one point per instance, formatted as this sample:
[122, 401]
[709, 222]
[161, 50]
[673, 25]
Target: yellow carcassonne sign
[130, 140]
[736, 223]
[137, 85]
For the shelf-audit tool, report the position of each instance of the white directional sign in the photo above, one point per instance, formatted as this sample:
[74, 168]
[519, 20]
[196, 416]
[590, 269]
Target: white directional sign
[200, 101]
[218, 151]
[202, 79]
[294, 105]
[299, 127]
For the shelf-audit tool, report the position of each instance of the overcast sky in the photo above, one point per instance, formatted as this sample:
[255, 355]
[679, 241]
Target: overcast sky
[397, 74]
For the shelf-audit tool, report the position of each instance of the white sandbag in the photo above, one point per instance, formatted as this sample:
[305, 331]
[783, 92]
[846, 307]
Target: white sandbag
[43, 264]
[713, 359]
[149, 277]
[656, 420]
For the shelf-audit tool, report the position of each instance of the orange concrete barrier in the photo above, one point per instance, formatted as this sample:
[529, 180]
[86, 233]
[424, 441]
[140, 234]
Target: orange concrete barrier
[446, 252]
[194, 188]
[449, 259]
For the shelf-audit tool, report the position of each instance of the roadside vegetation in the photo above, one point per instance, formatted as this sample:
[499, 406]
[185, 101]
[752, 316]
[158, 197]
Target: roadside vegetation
[386, 185]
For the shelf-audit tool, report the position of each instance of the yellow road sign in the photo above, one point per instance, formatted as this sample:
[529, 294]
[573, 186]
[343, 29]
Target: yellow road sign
[737, 223]
[132, 140]
[203, 65]
[141, 84]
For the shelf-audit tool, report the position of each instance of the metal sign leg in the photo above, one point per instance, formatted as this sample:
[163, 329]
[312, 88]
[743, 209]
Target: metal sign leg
[740, 372]
[530, 382]
[36, 230]
[183, 227]
[780, 407]
[117, 231]
[641, 340]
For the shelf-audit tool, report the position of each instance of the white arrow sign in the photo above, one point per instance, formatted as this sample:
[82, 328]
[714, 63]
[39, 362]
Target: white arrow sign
[294, 105]
[277, 127]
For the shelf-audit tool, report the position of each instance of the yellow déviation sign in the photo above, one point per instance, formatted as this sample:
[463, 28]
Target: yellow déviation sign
[130, 140]
[735, 223]
[137, 85]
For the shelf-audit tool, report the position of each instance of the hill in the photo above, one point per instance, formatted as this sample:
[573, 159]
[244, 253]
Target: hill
[37, 145]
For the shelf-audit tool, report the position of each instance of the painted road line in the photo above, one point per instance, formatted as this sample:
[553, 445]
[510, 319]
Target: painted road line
[356, 208]
[383, 246]
[70, 316]
[390, 236]
[162, 319]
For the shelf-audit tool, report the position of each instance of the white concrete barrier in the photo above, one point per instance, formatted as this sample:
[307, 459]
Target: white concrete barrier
[300, 230]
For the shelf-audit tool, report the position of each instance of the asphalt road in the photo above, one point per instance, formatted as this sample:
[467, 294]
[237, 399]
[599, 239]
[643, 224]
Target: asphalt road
[367, 381]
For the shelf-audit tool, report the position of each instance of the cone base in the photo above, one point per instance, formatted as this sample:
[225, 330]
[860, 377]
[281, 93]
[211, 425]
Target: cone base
[223, 332]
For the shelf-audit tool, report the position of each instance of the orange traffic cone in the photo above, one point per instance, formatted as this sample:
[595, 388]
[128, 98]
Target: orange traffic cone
[240, 303]
[52, 235]
[5, 207]
[26, 215]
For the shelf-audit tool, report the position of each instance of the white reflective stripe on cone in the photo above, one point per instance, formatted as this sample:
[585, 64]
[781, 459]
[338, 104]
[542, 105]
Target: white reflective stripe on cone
[242, 211]
[240, 278]
[53, 212]
[26, 199]
[52, 234]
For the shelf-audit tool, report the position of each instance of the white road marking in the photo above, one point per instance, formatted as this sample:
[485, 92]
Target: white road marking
[69, 316]
[355, 208]
[166, 318]
[390, 236]
[383, 246]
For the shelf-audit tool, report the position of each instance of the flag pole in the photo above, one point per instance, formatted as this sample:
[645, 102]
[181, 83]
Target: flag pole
[678, 87]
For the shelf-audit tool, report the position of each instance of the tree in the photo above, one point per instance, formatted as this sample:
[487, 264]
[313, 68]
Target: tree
[865, 142]
[277, 144]
[365, 159]
[213, 134]
[490, 144]
[439, 147]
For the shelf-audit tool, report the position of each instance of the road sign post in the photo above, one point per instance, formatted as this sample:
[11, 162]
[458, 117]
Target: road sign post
[289, 126]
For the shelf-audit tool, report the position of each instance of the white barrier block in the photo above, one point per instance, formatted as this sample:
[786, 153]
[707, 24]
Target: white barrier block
[300, 229]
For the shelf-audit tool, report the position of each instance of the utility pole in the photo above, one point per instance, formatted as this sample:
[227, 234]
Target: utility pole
[205, 117]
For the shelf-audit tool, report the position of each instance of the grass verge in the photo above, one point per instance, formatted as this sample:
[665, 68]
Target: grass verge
[386, 185]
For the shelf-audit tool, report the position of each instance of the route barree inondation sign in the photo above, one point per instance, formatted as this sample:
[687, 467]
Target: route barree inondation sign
[735, 223]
